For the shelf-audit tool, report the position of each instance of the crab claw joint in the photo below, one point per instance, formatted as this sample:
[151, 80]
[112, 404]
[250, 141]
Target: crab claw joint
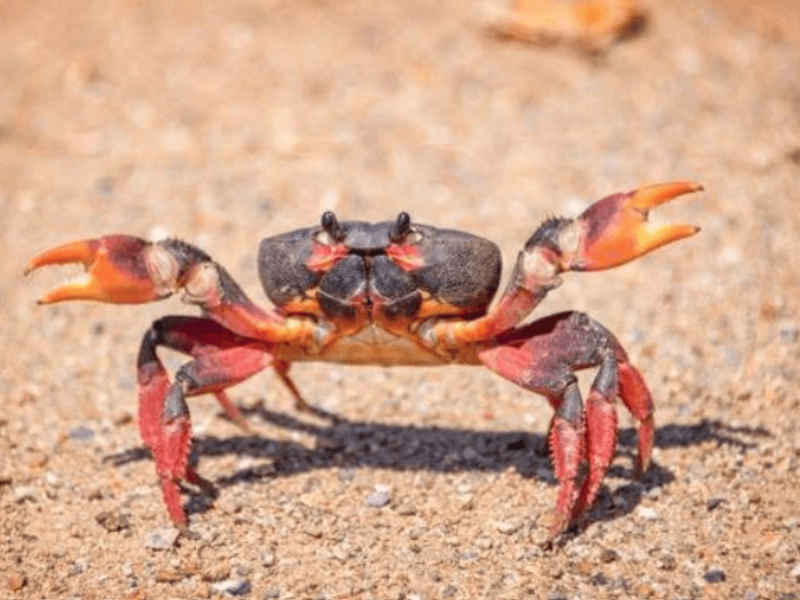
[120, 269]
[616, 230]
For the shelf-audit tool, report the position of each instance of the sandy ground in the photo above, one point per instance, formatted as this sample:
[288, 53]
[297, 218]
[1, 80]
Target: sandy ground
[225, 122]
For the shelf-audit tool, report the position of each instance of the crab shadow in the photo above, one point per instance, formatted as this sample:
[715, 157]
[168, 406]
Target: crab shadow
[350, 444]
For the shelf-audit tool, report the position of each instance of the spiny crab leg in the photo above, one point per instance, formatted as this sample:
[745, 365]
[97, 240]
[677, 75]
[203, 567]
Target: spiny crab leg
[615, 229]
[119, 268]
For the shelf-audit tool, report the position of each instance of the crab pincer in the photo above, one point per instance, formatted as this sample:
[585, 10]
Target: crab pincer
[615, 230]
[121, 269]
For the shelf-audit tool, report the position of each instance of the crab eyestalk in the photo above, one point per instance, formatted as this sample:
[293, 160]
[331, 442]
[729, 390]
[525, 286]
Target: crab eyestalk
[119, 268]
[615, 230]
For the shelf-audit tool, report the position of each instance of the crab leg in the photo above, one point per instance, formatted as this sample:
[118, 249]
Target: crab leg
[543, 357]
[197, 337]
[128, 270]
[611, 232]
[221, 360]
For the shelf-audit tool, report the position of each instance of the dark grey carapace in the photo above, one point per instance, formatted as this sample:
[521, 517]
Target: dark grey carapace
[395, 264]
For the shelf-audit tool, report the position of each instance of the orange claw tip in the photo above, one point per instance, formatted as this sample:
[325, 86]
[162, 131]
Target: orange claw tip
[650, 196]
[83, 252]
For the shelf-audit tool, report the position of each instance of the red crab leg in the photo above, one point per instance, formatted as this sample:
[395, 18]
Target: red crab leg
[611, 232]
[543, 357]
[127, 270]
[221, 359]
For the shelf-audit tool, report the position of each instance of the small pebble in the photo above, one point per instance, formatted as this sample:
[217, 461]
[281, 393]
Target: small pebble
[169, 574]
[234, 587]
[647, 513]
[509, 527]
[714, 576]
[379, 498]
[268, 559]
[80, 433]
[161, 539]
[24, 493]
[112, 520]
[78, 567]
[795, 572]
[406, 510]
[608, 555]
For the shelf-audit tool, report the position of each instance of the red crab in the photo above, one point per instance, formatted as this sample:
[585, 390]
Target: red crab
[390, 293]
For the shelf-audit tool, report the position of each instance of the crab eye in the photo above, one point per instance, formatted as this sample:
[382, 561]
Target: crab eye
[401, 227]
[331, 229]
[403, 231]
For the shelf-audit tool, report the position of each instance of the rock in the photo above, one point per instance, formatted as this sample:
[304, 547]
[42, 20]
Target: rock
[170, 574]
[647, 513]
[406, 510]
[161, 539]
[379, 498]
[233, 587]
[24, 493]
[81, 433]
[714, 576]
[112, 520]
[509, 527]
[608, 555]
[78, 567]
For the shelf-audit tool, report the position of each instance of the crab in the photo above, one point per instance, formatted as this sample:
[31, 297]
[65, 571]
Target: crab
[389, 293]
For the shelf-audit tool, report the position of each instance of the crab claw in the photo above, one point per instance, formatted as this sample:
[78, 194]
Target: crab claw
[615, 229]
[119, 268]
